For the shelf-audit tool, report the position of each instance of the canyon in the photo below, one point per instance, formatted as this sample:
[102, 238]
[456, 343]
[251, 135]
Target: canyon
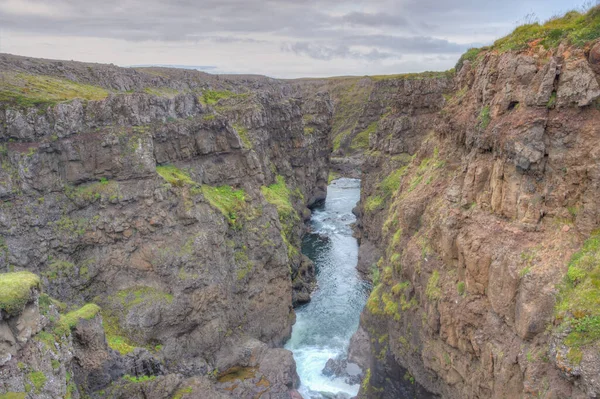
[151, 222]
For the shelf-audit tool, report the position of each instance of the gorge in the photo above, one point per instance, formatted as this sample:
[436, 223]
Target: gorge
[154, 235]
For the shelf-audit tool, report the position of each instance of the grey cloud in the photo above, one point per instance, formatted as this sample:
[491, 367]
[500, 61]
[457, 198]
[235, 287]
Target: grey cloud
[375, 19]
[321, 52]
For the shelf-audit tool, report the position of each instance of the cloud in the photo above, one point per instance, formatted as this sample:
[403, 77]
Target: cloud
[265, 36]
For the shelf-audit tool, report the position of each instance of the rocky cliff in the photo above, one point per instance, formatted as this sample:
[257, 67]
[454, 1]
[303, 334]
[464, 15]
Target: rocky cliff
[174, 200]
[478, 224]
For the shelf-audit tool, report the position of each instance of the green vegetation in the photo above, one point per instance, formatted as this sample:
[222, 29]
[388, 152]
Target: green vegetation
[460, 287]
[138, 379]
[578, 305]
[24, 90]
[230, 202]
[13, 395]
[484, 117]
[337, 140]
[278, 194]
[181, 392]
[433, 290]
[103, 189]
[470, 55]
[175, 176]
[237, 373]
[373, 203]
[243, 132]
[161, 91]
[374, 275]
[70, 320]
[211, 97]
[361, 140]
[38, 380]
[15, 290]
[574, 27]
[119, 343]
[552, 101]
[332, 176]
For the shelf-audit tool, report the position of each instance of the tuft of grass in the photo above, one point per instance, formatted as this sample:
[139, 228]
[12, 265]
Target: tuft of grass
[332, 176]
[15, 290]
[25, 91]
[70, 320]
[470, 55]
[230, 202]
[278, 194]
[578, 304]
[361, 140]
[243, 132]
[38, 380]
[433, 290]
[460, 287]
[139, 379]
[576, 28]
[373, 203]
[175, 176]
[552, 101]
[13, 395]
[182, 392]
[484, 117]
[211, 97]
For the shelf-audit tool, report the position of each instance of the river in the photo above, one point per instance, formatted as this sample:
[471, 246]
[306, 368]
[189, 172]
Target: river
[325, 325]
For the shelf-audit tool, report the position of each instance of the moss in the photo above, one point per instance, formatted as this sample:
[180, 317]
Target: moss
[243, 132]
[575, 355]
[433, 290]
[460, 288]
[70, 320]
[47, 340]
[38, 380]
[139, 379]
[59, 268]
[230, 202]
[103, 189]
[332, 176]
[308, 130]
[182, 392]
[484, 117]
[338, 138]
[361, 140]
[470, 55]
[576, 28]
[552, 101]
[578, 304]
[25, 91]
[278, 195]
[174, 175]
[373, 203]
[212, 97]
[391, 183]
[367, 380]
[15, 290]
[161, 92]
[139, 295]
[119, 343]
[237, 373]
[13, 395]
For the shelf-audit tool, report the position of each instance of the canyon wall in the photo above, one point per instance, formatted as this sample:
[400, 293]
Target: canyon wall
[174, 200]
[478, 226]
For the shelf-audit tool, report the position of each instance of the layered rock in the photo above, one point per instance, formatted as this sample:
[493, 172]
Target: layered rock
[173, 199]
[476, 192]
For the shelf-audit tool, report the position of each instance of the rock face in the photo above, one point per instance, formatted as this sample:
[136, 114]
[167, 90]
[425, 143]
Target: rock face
[173, 199]
[476, 192]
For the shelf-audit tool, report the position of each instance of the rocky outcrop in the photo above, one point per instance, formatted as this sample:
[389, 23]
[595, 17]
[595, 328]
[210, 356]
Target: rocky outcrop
[477, 191]
[173, 199]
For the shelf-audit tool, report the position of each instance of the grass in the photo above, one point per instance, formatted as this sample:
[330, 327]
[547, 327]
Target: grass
[15, 290]
[70, 320]
[38, 380]
[578, 304]
[175, 176]
[13, 395]
[138, 379]
[460, 288]
[278, 195]
[576, 28]
[243, 132]
[484, 117]
[470, 55]
[361, 140]
[25, 90]
[182, 392]
[332, 176]
[373, 203]
[211, 97]
[228, 201]
[433, 290]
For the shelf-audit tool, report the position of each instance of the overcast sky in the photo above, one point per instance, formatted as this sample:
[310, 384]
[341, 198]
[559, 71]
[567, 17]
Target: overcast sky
[279, 38]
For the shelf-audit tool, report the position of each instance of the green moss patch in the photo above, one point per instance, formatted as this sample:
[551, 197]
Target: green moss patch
[361, 140]
[70, 320]
[211, 97]
[25, 91]
[433, 289]
[139, 379]
[38, 380]
[243, 132]
[231, 203]
[578, 304]
[15, 290]
[576, 28]
[174, 176]
[13, 395]
[237, 373]
[278, 194]
[182, 392]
